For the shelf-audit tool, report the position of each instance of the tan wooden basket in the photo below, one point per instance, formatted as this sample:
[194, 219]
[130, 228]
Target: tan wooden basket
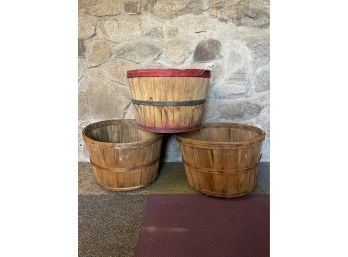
[122, 157]
[168, 100]
[222, 159]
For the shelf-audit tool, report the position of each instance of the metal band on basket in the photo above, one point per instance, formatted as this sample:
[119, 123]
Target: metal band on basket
[177, 103]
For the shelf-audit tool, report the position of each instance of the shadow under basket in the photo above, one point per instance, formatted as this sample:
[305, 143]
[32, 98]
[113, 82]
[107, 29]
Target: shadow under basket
[123, 157]
[221, 159]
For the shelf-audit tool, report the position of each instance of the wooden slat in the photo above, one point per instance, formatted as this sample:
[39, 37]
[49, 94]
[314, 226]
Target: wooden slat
[168, 89]
[129, 162]
[222, 159]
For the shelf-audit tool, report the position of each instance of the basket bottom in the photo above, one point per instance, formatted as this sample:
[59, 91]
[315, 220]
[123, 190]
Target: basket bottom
[168, 130]
[132, 179]
[221, 195]
[216, 184]
[123, 189]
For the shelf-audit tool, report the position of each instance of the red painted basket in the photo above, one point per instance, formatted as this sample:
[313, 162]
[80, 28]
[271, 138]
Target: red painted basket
[168, 100]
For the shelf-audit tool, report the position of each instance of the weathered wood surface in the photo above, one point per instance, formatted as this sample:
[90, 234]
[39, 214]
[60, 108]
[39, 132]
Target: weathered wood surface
[185, 95]
[222, 159]
[123, 157]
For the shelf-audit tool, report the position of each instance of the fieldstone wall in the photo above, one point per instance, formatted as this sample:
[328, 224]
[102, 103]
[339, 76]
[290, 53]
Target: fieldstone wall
[230, 37]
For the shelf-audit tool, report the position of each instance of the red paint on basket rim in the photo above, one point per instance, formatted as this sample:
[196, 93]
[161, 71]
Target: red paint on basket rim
[168, 73]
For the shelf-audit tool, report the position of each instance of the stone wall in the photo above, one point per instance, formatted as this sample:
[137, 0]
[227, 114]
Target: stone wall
[230, 37]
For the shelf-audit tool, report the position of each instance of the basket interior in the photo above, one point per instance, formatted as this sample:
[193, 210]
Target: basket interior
[225, 134]
[117, 133]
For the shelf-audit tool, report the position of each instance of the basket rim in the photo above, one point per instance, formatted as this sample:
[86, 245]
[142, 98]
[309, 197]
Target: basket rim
[168, 73]
[185, 140]
[103, 123]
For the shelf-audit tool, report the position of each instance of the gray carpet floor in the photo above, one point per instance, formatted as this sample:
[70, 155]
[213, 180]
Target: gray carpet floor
[109, 222]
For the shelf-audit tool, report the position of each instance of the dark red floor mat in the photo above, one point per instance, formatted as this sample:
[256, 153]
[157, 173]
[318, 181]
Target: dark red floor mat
[201, 226]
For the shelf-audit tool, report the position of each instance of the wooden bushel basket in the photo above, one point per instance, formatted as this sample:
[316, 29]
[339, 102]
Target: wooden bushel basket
[222, 159]
[168, 100]
[123, 157]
